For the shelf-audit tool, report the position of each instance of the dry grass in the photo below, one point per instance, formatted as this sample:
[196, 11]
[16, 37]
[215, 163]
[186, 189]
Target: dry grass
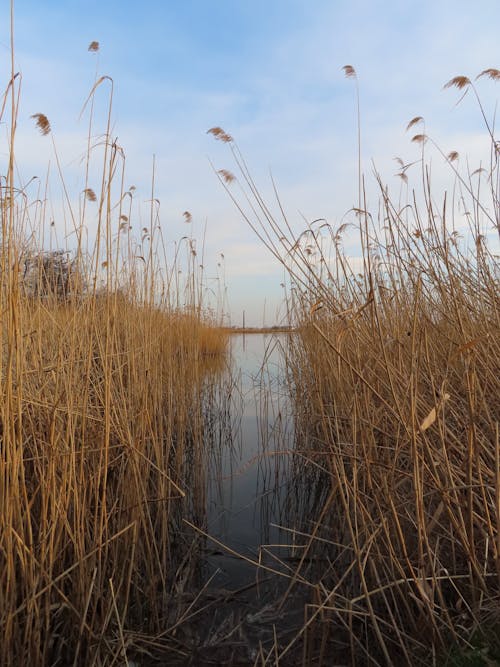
[103, 414]
[402, 411]
[396, 381]
[103, 441]
[103, 426]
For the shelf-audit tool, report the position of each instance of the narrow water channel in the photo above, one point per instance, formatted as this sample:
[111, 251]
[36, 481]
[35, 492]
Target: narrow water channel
[247, 520]
[247, 484]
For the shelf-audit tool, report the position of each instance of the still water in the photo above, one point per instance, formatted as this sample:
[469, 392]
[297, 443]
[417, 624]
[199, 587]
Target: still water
[247, 487]
[250, 551]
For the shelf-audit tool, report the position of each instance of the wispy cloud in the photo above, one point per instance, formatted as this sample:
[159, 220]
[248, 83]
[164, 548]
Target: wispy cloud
[275, 85]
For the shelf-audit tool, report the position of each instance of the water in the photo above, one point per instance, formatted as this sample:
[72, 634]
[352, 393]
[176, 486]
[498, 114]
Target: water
[248, 489]
[248, 482]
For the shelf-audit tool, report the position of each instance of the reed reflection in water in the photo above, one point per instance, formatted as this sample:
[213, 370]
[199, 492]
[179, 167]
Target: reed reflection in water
[248, 476]
[261, 493]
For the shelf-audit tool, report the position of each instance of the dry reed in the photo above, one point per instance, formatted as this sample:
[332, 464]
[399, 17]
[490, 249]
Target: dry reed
[102, 425]
[395, 376]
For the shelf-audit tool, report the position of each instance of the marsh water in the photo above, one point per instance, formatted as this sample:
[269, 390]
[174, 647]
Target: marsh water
[250, 548]
[247, 482]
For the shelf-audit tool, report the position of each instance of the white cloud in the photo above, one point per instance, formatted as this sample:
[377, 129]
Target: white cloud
[288, 105]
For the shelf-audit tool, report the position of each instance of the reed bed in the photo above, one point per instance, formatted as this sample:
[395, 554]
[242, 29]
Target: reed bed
[107, 361]
[394, 372]
[103, 443]
[399, 402]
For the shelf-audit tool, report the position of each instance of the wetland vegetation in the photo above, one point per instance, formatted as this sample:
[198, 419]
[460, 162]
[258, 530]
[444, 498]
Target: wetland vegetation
[367, 529]
[394, 379]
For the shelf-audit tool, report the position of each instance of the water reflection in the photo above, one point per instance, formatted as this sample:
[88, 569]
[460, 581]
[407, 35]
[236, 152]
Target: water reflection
[238, 611]
[248, 478]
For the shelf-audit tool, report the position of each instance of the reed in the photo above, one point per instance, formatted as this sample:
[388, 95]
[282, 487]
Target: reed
[105, 362]
[394, 371]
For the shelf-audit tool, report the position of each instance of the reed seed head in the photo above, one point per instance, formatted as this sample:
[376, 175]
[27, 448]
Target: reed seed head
[42, 123]
[349, 71]
[227, 176]
[459, 82]
[419, 138]
[220, 135]
[491, 73]
[414, 121]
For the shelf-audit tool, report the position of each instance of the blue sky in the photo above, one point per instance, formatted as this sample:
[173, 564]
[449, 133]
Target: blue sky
[270, 74]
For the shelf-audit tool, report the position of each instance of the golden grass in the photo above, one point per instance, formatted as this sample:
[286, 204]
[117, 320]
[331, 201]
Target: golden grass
[104, 405]
[398, 397]
[395, 373]
[399, 400]
[103, 435]
[101, 454]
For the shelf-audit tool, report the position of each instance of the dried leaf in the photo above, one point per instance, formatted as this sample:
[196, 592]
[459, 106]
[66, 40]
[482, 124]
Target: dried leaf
[431, 417]
[316, 306]
[425, 590]
[94, 87]
[429, 420]
[469, 345]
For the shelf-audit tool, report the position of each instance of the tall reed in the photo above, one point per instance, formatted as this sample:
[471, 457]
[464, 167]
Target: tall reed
[395, 376]
[105, 360]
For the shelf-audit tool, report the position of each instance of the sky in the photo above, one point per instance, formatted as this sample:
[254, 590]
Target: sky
[270, 74]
